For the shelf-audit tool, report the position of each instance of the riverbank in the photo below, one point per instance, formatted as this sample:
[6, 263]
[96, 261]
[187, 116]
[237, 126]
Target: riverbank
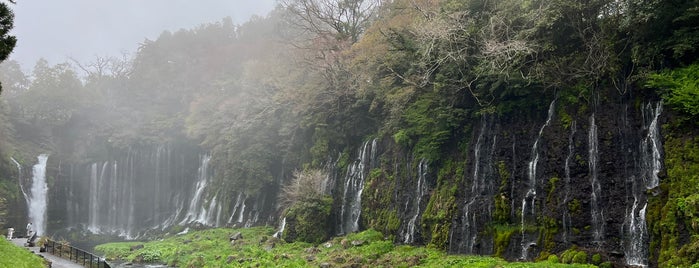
[257, 247]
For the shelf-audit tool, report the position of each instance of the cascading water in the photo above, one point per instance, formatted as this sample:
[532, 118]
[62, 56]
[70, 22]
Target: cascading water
[354, 185]
[421, 189]
[529, 199]
[135, 191]
[595, 195]
[280, 232]
[566, 214]
[239, 202]
[649, 165]
[19, 179]
[196, 210]
[37, 200]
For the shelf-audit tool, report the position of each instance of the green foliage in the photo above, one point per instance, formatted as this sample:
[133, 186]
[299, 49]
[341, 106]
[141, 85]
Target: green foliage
[679, 206]
[210, 248]
[580, 257]
[7, 42]
[436, 219]
[308, 220]
[596, 259]
[679, 89]
[501, 236]
[15, 256]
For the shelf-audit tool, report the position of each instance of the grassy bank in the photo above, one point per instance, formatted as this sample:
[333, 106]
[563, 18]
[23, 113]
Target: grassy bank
[17, 257]
[257, 248]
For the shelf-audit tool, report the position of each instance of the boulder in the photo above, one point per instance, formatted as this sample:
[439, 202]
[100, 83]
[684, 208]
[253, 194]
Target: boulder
[136, 247]
[236, 236]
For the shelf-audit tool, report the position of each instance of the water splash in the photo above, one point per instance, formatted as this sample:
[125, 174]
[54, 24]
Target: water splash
[38, 198]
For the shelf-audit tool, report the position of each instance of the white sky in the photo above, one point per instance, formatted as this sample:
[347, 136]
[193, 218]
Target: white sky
[84, 29]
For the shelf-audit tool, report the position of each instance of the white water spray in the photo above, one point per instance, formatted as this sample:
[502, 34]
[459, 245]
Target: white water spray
[37, 200]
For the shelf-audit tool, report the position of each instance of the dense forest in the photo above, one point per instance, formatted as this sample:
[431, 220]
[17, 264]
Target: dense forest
[513, 128]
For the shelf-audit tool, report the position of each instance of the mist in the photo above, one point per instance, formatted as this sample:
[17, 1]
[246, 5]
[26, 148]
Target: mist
[83, 29]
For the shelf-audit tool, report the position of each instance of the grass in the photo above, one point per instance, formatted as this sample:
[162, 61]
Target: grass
[17, 257]
[257, 248]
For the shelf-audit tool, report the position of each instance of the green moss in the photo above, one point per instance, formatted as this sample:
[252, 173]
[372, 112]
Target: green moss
[501, 214]
[596, 259]
[580, 257]
[436, 220]
[308, 220]
[574, 206]
[552, 189]
[675, 213]
[501, 236]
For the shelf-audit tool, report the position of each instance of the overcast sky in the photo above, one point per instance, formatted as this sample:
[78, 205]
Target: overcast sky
[84, 29]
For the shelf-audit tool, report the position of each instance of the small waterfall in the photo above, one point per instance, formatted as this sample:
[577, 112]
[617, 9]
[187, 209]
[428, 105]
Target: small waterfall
[237, 205]
[420, 191]
[38, 199]
[19, 180]
[196, 210]
[280, 232]
[597, 213]
[354, 185]
[651, 146]
[566, 214]
[529, 199]
[649, 165]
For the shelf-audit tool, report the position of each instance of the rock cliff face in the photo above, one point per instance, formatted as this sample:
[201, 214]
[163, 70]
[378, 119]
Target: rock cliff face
[520, 186]
[525, 186]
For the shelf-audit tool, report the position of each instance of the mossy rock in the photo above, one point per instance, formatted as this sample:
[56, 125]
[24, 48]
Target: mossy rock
[308, 221]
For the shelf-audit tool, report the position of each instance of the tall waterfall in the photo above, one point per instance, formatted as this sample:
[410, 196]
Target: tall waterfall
[37, 200]
[478, 205]
[566, 214]
[410, 231]
[595, 195]
[354, 185]
[529, 200]
[19, 179]
[646, 178]
[135, 191]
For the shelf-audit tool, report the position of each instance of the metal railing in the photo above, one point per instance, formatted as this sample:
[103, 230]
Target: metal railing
[76, 255]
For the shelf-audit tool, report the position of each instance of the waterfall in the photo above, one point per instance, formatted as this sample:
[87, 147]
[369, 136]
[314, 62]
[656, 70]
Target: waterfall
[420, 191]
[566, 214]
[597, 213]
[19, 180]
[649, 165]
[196, 210]
[235, 208]
[37, 200]
[280, 232]
[529, 199]
[651, 147]
[354, 185]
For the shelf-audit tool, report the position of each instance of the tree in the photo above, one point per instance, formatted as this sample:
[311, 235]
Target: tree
[7, 42]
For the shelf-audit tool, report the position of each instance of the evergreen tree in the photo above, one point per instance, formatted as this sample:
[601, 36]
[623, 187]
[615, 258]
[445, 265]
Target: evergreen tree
[7, 42]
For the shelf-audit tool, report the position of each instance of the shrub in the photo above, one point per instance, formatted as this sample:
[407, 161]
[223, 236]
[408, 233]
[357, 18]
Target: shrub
[553, 259]
[580, 257]
[596, 259]
[308, 220]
